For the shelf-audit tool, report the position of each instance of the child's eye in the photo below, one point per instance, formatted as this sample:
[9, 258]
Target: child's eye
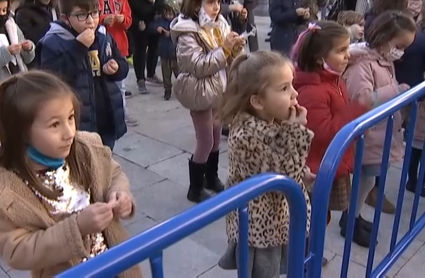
[71, 118]
[55, 124]
[285, 88]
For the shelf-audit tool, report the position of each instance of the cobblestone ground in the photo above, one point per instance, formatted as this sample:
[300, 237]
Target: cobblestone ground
[155, 154]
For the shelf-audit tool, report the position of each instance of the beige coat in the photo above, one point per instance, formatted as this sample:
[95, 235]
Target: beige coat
[31, 240]
[255, 147]
[202, 64]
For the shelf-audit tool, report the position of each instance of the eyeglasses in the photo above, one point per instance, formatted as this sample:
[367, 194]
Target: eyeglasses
[85, 16]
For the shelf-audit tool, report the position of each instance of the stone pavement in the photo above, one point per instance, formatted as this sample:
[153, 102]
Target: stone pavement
[155, 154]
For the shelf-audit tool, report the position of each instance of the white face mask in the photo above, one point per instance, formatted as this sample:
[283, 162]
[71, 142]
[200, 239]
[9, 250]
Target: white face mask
[395, 54]
[205, 20]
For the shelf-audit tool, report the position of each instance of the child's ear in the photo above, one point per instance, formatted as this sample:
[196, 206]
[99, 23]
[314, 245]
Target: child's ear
[64, 17]
[256, 102]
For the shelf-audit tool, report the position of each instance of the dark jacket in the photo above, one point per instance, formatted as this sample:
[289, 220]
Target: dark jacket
[60, 53]
[411, 67]
[286, 24]
[239, 26]
[369, 17]
[145, 10]
[34, 20]
[167, 49]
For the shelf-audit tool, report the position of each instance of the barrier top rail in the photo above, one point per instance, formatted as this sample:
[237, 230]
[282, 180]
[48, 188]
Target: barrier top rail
[154, 240]
[332, 159]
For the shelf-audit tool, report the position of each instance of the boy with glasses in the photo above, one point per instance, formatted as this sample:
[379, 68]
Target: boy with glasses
[90, 62]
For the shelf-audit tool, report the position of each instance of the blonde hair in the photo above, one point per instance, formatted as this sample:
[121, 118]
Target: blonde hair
[348, 18]
[249, 75]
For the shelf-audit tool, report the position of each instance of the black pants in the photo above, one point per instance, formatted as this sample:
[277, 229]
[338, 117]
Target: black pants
[253, 40]
[415, 159]
[168, 68]
[130, 44]
[145, 53]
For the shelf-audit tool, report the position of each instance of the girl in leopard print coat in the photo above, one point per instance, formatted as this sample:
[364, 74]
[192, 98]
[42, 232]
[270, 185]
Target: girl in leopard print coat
[267, 134]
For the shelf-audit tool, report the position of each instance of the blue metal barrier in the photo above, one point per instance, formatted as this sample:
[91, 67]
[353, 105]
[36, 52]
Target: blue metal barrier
[152, 242]
[346, 137]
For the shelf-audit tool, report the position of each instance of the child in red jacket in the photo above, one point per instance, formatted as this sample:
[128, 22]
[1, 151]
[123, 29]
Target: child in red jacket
[116, 17]
[322, 92]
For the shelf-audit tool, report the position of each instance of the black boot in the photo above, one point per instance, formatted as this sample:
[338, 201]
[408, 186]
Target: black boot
[167, 94]
[360, 236]
[366, 224]
[415, 158]
[196, 191]
[225, 131]
[212, 182]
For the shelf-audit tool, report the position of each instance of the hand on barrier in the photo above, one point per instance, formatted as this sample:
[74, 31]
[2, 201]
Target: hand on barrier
[403, 87]
[122, 204]
[309, 177]
[95, 218]
[298, 114]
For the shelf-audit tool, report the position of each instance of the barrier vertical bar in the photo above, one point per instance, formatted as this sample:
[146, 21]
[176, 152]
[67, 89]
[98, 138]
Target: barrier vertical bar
[243, 243]
[403, 178]
[157, 268]
[349, 231]
[418, 190]
[381, 188]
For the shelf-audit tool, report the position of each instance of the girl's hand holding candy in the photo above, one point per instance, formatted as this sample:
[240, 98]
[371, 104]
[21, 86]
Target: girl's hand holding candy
[121, 203]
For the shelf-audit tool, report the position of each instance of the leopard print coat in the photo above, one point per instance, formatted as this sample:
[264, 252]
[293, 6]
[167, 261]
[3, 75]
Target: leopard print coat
[257, 146]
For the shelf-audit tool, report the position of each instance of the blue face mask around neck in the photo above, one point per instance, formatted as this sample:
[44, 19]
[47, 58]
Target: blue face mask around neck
[39, 158]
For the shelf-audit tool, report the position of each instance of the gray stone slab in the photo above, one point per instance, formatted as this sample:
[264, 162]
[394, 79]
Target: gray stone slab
[3, 274]
[333, 269]
[156, 124]
[139, 177]
[213, 237]
[184, 138]
[143, 150]
[182, 260]
[335, 244]
[3, 266]
[216, 272]
[162, 200]
[177, 169]
[414, 266]
[19, 274]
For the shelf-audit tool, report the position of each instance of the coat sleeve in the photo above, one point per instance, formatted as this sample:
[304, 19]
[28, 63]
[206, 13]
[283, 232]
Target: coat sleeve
[120, 183]
[27, 56]
[26, 250]
[320, 119]
[280, 14]
[62, 61]
[126, 11]
[360, 81]
[5, 56]
[193, 57]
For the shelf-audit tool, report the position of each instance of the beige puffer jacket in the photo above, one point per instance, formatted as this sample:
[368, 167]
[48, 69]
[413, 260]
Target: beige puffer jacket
[202, 64]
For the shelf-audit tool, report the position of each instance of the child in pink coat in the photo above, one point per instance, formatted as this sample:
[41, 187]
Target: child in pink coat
[371, 71]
